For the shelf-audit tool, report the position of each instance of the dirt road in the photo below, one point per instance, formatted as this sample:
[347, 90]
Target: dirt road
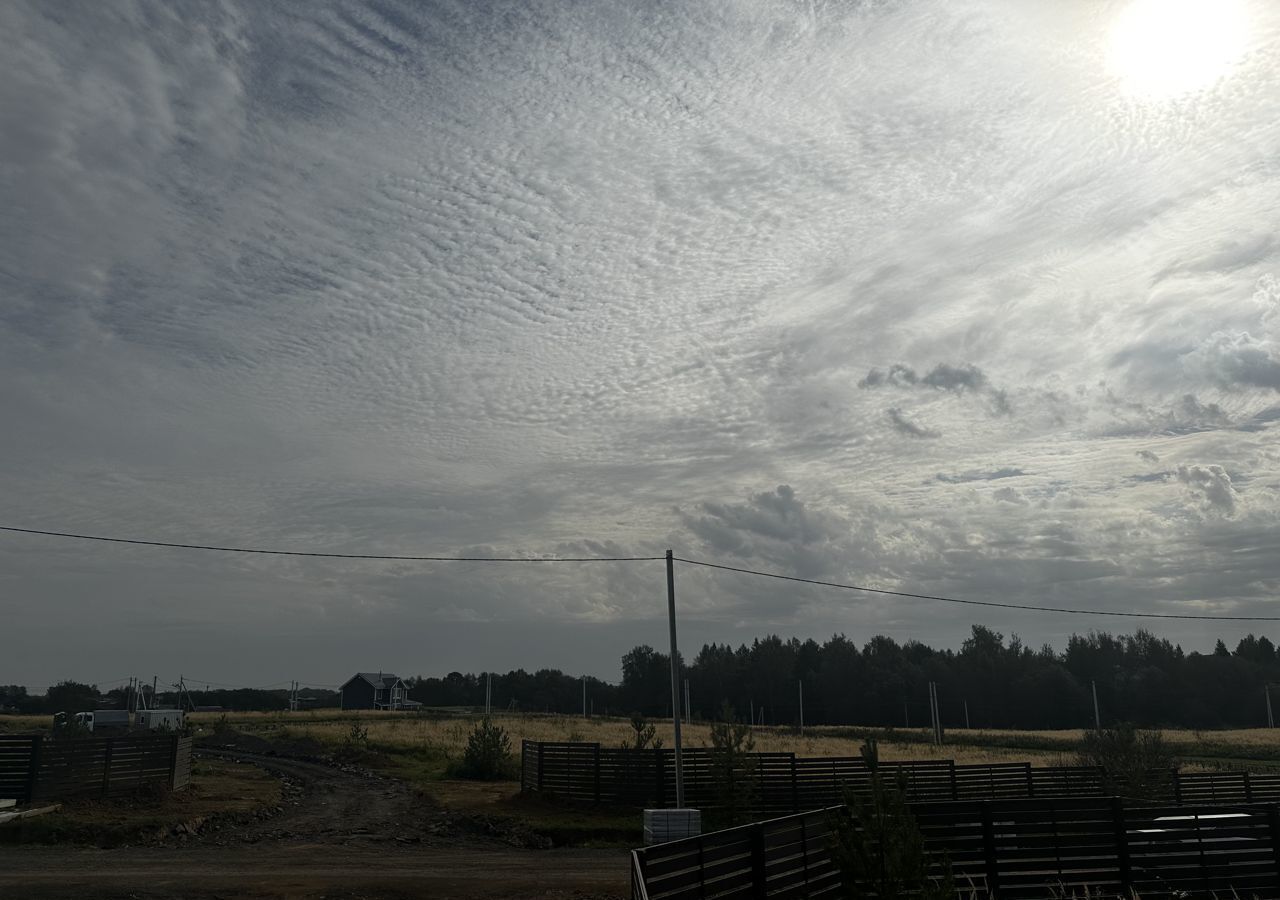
[310, 871]
[339, 835]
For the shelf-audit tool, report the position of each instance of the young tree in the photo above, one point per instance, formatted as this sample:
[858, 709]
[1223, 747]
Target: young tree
[733, 769]
[878, 845]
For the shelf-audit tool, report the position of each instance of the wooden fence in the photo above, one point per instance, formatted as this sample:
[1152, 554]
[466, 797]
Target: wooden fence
[37, 767]
[783, 782]
[1095, 846]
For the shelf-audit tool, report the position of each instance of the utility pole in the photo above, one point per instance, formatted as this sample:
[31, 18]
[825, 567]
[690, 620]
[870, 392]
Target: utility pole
[1266, 692]
[801, 683]
[688, 708]
[934, 712]
[752, 701]
[488, 694]
[967, 727]
[1097, 716]
[906, 715]
[584, 696]
[675, 679]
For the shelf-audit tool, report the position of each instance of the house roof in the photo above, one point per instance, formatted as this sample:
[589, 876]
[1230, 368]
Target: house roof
[379, 680]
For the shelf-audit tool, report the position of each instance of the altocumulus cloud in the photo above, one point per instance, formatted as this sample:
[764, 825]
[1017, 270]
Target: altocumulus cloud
[414, 277]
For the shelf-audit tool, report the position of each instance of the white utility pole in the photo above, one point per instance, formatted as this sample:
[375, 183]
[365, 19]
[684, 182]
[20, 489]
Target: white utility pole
[801, 683]
[675, 678]
[584, 696]
[1097, 716]
[1266, 692]
[688, 709]
[967, 726]
[488, 694]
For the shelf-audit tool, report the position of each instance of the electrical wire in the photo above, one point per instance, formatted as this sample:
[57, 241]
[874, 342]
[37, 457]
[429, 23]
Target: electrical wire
[1051, 609]
[484, 559]
[692, 562]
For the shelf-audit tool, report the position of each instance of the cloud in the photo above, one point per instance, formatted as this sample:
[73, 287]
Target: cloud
[1147, 456]
[1213, 484]
[903, 425]
[977, 475]
[425, 277]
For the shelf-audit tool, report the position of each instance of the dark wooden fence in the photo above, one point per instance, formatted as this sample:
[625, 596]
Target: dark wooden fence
[1095, 846]
[783, 782]
[37, 767]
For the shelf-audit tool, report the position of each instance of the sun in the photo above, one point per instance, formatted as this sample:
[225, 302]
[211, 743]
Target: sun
[1161, 49]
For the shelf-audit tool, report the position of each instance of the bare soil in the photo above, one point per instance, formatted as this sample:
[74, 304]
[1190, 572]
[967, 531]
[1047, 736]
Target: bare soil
[337, 832]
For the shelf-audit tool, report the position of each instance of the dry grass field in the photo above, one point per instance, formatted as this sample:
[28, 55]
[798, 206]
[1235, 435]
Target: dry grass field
[443, 736]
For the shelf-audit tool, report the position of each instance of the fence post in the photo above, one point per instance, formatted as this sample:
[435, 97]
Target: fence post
[596, 761]
[955, 789]
[1273, 825]
[173, 763]
[1248, 788]
[1177, 787]
[1122, 846]
[989, 851]
[758, 886]
[659, 785]
[1031, 785]
[795, 787]
[106, 767]
[33, 768]
[541, 760]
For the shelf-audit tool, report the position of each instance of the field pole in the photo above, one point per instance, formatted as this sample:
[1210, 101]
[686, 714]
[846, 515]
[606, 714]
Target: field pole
[584, 696]
[967, 727]
[1097, 716]
[688, 707]
[1266, 692]
[801, 683]
[675, 679]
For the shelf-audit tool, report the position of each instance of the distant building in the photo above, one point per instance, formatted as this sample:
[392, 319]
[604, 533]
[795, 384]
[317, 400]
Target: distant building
[374, 690]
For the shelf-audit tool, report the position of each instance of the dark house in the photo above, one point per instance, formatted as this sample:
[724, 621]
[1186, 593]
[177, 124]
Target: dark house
[373, 690]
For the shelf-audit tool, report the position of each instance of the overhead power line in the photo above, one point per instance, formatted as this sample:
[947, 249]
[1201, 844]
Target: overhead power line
[177, 546]
[1053, 609]
[691, 562]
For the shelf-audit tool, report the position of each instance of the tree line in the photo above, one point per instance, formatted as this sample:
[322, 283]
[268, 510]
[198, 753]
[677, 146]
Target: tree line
[989, 682]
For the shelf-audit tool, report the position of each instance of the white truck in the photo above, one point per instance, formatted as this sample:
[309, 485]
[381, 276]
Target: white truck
[160, 720]
[103, 720]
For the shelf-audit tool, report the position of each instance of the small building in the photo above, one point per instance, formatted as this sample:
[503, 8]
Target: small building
[374, 690]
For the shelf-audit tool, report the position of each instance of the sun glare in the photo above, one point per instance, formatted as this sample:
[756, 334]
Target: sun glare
[1164, 48]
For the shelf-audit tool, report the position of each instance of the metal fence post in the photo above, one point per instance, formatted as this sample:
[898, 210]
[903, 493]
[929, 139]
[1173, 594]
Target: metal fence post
[33, 768]
[795, 787]
[1273, 825]
[595, 758]
[758, 887]
[1122, 846]
[989, 851]
[173, 763]
[106, 767]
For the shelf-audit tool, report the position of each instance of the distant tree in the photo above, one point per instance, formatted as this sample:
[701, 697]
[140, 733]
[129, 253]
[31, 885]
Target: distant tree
[13, 697]
[1220, 649]
[71, 697]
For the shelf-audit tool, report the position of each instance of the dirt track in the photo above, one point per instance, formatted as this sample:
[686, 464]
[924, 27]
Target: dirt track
[341, 835]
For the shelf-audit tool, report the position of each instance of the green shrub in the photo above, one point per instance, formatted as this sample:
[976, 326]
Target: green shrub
[642, 735]
[1137, 763]
[488, 754]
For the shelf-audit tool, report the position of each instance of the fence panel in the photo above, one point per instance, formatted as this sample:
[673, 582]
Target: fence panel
[1018, 848]
[36, 767]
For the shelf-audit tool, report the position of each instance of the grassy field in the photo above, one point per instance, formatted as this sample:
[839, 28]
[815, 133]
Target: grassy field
[443, 737]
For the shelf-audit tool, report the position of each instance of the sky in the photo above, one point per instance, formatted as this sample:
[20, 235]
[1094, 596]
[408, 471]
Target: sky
[975, 298]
